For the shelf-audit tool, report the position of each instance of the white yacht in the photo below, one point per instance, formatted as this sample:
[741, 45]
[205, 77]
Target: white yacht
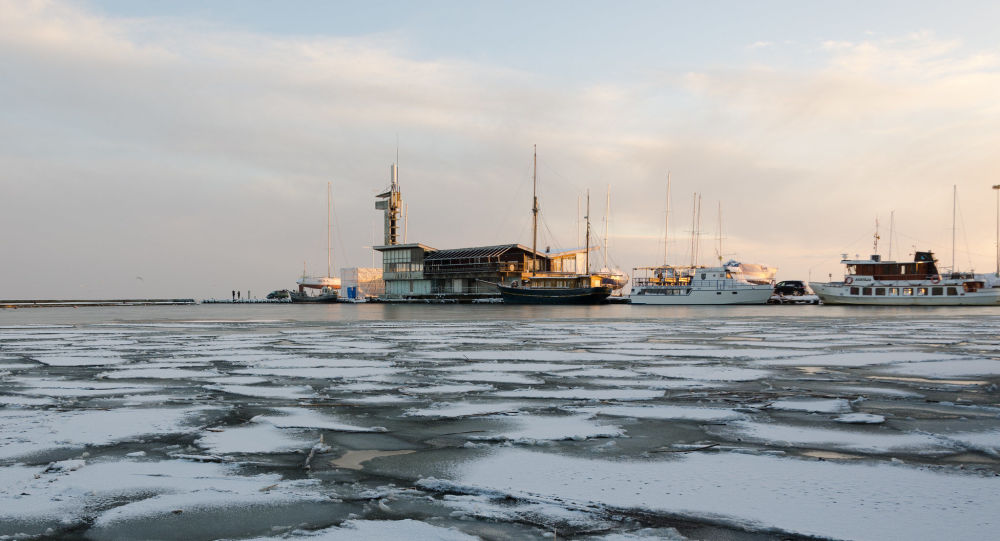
[674, 285]
[917, 283]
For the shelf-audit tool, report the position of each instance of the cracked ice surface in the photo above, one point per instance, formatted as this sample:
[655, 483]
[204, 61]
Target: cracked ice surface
[493, 422]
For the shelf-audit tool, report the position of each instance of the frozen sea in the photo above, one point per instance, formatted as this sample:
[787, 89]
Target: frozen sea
[495, 422]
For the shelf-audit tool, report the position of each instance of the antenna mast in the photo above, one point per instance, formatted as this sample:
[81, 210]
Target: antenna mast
[875, 237]
[391, 201]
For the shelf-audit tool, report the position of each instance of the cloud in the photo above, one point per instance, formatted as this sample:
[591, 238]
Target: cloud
[196, 156]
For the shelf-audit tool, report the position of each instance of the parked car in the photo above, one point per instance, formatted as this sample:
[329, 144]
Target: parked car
[279, 294]
[791, 287]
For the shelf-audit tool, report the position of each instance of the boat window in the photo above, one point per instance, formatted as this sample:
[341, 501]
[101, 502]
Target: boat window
[703, 276]
[907, 291]
[952, 291]
[893, 291]
[866, 291]
[921, 291]
[880, 291]
[937, 291]
[854, 291]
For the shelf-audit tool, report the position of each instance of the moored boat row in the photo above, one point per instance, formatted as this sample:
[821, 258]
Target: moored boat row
[917, 283]
[515, 274]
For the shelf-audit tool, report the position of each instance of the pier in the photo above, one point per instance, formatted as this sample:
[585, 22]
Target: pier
[51, 303]
[246, 301]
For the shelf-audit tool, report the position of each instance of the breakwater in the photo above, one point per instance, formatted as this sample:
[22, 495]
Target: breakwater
[49, 303]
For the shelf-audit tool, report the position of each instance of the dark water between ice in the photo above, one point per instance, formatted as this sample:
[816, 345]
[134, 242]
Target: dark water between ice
[463, 312]
[496, 422]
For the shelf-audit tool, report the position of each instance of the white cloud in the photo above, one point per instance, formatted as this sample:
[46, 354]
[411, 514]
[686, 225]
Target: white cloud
[144, 146]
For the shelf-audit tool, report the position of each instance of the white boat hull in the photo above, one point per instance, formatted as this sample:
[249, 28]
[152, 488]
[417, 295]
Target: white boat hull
[680, 295]
[840, 293]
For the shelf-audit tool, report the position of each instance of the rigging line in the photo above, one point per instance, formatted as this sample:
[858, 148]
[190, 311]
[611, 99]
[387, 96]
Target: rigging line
[514, 201]
[552, 238]
[554, 172]
[340, 240]
[965, 237]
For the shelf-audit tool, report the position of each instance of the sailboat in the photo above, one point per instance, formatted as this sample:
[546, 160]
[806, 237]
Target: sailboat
[614, 278]
[729, 283]
[539, 286]
[328, 285]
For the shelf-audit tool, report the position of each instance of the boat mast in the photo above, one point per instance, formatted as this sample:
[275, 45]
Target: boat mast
[996, 187]
[587, 257]
[329, 198]
[694, 218]
[666, 222]
[892, 225]
[534, 208]
[578, 220]
[696, 239]
[607, 211]
[954, 207]
[720, 233]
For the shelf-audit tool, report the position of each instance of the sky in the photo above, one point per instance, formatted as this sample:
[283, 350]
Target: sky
[183, 149]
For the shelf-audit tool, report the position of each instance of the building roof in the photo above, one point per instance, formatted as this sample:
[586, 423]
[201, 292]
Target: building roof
[402, 246]
[479, 251]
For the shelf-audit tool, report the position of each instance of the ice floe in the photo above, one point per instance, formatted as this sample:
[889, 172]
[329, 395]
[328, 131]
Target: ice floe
[376, 530]
[860, 418]
[583, 394]
[535, 428]
[26, 433]
[824, 499]
[708, 373]
[815, 405]
[465, 409]
[264, 391]
[859, 358]
[305, 418]
[678, 413]
[950, 368]
[843, 439]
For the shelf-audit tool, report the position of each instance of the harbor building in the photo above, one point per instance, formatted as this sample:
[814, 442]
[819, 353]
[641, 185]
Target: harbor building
[415, 271]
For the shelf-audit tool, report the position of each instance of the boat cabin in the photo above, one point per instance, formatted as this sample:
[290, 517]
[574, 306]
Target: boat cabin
[923, 267]
[558, 281]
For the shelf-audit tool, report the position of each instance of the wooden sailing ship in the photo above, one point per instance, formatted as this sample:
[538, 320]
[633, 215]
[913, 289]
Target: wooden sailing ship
[546, 287]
